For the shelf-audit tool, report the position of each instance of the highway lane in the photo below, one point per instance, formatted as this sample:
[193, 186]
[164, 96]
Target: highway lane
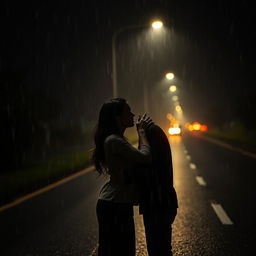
[62, 221]
[229, 181]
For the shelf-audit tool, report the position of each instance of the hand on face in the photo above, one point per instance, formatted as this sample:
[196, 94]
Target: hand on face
[143, 122]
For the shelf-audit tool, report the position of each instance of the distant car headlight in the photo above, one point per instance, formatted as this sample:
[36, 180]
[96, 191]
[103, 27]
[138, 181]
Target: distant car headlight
[174, 130]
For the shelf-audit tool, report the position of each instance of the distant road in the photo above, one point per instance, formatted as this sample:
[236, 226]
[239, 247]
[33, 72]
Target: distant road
[216, 191]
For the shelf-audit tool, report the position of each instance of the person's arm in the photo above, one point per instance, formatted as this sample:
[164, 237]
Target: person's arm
[141, 124]
[136, 156]
[142, 138]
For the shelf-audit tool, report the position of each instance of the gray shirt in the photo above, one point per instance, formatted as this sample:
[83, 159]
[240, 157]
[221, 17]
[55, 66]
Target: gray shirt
[121, 155]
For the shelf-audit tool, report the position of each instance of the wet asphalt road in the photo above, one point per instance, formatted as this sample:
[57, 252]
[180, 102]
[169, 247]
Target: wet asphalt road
[62, 221]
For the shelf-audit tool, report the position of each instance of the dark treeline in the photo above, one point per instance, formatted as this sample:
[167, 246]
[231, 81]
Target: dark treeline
[32, 124]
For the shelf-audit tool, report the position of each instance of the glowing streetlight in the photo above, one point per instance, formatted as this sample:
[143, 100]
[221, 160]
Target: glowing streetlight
[157, 24]
[178, 109]
[169, 116]
[173, 88]
[175, 98]
[169, 76]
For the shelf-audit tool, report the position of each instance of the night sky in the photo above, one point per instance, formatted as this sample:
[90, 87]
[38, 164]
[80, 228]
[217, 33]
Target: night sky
[63, 50]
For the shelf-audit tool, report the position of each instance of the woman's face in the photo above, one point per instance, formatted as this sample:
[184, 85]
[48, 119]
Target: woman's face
[126, 118]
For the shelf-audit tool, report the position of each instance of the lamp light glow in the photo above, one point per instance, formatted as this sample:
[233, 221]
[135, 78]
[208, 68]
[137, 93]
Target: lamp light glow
[175, 98]
[173, 88]
[157, 24]
[169, 76]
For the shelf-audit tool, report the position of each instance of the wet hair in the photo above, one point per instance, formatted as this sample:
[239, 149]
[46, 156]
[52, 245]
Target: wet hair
[160, 151]
[107, 125]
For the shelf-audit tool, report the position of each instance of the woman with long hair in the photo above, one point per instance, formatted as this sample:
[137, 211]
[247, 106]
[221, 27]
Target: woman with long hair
[114, 155]
[159, 200]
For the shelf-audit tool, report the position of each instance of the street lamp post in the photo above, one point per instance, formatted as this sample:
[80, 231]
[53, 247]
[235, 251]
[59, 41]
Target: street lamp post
[114, 73]
[156, 25]
[114, 67]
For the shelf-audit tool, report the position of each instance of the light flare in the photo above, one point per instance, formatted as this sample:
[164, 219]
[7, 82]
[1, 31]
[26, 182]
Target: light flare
[157, 24]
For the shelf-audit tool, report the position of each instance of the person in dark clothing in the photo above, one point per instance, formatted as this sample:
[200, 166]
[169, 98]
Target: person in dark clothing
[158, 203]
[112, 155]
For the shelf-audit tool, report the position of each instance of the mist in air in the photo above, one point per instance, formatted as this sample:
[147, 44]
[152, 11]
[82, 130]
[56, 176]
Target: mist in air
[57, 70]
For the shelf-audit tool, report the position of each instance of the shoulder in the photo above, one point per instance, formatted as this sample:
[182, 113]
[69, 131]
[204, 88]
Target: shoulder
[115, 143]
[113, 138]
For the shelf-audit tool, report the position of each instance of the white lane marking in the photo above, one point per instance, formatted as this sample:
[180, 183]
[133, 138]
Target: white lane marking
[44, 189]
[185, 151]
[221, 214]
[201, 180]
[188, 157]
[192, 166]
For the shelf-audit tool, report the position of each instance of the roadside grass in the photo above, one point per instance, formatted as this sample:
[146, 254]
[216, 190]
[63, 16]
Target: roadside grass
[236, 135]
[22, 181]
[29, 179]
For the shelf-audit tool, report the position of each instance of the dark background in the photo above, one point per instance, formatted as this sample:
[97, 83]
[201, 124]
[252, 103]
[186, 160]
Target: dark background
[56, 66]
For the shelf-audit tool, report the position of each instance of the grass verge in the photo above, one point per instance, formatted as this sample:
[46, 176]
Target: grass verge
[22, 181]
[235, 136]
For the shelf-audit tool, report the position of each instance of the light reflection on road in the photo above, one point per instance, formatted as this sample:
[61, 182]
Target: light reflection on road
[178, 157]
[175, 140]
[182, 234]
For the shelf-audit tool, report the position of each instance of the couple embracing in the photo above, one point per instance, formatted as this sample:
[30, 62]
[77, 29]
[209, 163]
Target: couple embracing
[140, 176]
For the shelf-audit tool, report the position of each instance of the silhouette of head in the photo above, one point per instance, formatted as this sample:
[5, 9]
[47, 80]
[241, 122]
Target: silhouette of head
[114, 117]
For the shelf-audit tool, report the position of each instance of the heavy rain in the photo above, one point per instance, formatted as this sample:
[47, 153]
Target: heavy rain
[192, 73]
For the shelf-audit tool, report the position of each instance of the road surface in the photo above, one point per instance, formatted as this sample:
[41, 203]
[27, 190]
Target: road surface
[216, 192]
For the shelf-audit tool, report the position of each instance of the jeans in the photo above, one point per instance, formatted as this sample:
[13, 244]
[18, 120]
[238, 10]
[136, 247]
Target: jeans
[116, 229]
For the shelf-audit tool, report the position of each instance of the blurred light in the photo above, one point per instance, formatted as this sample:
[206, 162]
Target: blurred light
[196, 126]
[157, 24]
[190, 127]
[204, 128]
[187, 125]
[174, 98]
[174, 131]
[178, 108]
[172, 88]
[169, 76]
[169, 116]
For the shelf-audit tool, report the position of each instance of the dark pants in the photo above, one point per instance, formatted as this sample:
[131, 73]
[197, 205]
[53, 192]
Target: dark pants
[158, 229]
[116, 229]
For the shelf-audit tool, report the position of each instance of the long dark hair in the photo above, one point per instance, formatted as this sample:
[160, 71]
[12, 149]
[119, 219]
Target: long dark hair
[159, 192]
[161, 153]
[107, 125]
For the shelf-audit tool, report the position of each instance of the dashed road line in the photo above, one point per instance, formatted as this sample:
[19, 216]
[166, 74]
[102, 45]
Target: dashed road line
[225, 220]
[188, 157]
[200, 180]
